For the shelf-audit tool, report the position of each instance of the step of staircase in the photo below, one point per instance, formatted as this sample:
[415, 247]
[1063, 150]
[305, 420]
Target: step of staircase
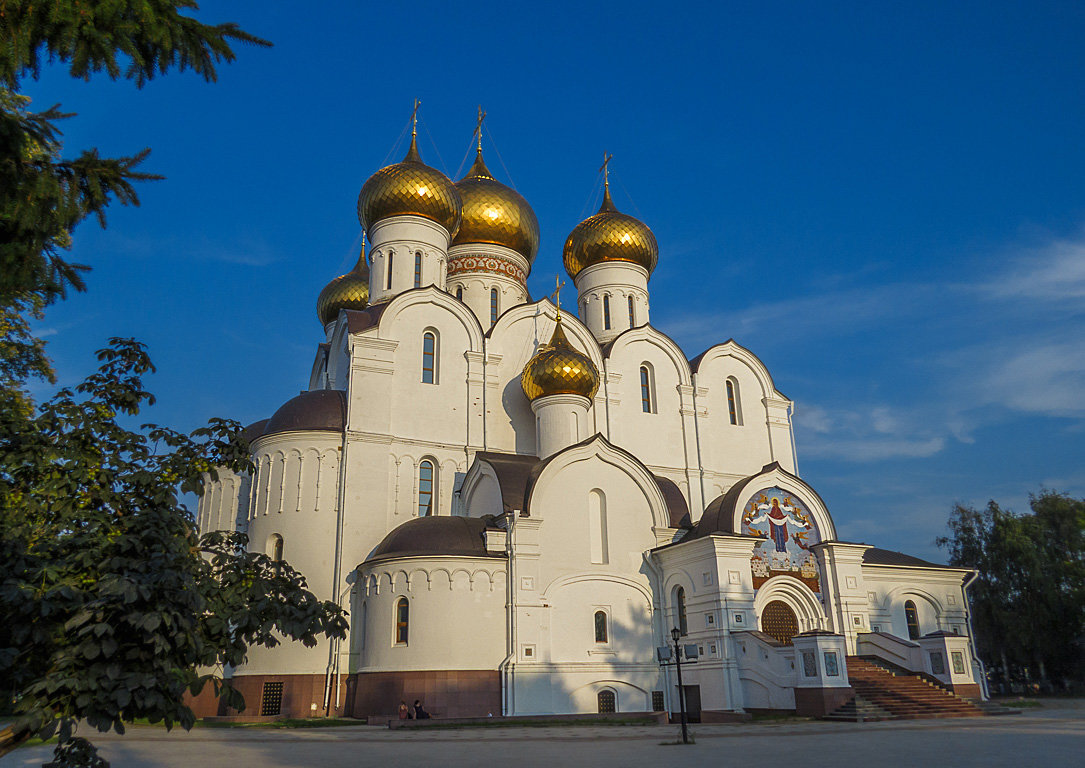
[882, 693]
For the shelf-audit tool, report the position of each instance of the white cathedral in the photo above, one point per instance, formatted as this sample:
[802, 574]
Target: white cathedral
[518, 504]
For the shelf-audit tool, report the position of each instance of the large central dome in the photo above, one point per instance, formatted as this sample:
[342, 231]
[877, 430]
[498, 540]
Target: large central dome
[410, 188]
[494, 213]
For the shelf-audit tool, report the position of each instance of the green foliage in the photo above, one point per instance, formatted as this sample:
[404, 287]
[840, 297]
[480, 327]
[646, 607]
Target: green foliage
[43, 196]
[1028, 602]
[111, 603]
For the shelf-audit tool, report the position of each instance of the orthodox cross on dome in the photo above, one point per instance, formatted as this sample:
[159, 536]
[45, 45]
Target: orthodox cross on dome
[558, 285]
[478, 126]
[414, 117]
[605, 168]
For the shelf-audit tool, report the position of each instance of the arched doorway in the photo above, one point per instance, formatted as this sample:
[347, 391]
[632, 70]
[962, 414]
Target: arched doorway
[778, 621]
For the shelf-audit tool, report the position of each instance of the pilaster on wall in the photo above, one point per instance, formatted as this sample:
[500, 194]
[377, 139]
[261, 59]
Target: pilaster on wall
[781, 439]
[476, 400]
[845, 591]
[372, 363]
[691, 448]
[525, 592]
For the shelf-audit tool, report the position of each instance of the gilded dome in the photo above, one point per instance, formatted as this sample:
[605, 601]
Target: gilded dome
[609, 235]
[349, 291]
[410, 188]
[558, 369]
[494, 213]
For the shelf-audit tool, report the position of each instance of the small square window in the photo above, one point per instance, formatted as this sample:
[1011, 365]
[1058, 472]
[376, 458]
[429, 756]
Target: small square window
[529, 651]
[527, 583]
[707, 579]
[738, 618]
[876, 628]
[712, 649]
[709, 619]
[857, 620]
[658, 703]
[734, 577]
[851, 582]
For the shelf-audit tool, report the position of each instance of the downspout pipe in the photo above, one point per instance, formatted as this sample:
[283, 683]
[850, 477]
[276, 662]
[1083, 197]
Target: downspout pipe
[969, 580]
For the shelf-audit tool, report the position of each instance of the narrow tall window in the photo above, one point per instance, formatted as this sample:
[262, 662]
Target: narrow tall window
[493, 306]
[601, 627]
[429, 358]
[911, 618]
[459, 292]
[680, 599]
[646, 389]
[632, 315]
[418, 269]
[388, 285]
[597, 526]
[734, 405]
[276, 548]
[425, 488]
[606, 312]
[403, 620]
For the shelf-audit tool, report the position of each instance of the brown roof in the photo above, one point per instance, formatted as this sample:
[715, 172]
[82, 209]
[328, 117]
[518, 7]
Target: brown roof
[875, 556]
[254, 430]
[437, 535]
[359, 320]
[676, 502]
[514, 476]
[318, 409]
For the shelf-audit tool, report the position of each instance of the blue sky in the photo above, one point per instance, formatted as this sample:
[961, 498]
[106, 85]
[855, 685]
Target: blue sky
[885, 202]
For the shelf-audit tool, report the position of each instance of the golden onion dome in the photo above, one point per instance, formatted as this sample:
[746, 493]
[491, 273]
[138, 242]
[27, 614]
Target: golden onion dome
[609, 235]
[494, 213]
[349, 291]
[410, 188]
[559, 369]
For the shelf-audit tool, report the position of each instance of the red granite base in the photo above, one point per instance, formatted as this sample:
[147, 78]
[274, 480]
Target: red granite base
[300, 694]
[444, 693]
[818, 702]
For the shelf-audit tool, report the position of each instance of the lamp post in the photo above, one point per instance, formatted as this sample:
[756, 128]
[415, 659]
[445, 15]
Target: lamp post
[676, 633]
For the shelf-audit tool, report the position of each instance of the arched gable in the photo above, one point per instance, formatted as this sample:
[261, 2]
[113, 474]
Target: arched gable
[733, 350]
[598, 447]
[431, 295]
[649, 334]
[481, 491]
[545, 314]
[797, 596]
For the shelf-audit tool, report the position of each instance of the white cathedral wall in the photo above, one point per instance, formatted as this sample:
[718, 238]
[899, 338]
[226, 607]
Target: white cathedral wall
[456, 614]
[938, 596]
[560, 667]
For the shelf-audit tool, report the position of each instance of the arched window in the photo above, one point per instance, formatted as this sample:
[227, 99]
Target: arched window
[493, 306]
[601, 635]
[459, 292]
[680, 601]
[361, 629]
[779, 622]
[429, 358]
[632, 315]
[425, 488]
[911, 618]
[734, 405]
[403, 620]
[275, 547]
[418, 269]
[388, 285]
[606, 312]
[608, 702]
[597, 526]
[647, 398]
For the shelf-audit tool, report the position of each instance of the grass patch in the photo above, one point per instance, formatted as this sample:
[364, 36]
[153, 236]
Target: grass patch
[438, 725]
[309, 722]
[1021, 703]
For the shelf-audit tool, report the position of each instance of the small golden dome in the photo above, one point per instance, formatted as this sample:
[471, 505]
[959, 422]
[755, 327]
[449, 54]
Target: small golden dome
[609, 236]
[410, 188]
[349, 291]
[559, 369]
[494, 213]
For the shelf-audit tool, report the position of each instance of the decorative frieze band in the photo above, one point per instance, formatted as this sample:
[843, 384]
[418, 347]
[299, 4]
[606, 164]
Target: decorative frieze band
[492, 264]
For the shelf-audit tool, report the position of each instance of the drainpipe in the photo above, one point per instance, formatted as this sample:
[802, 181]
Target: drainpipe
[972, 635]
[337, 567]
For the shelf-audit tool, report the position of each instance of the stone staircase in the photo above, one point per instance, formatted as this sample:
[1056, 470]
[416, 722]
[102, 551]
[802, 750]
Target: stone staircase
[881, 695]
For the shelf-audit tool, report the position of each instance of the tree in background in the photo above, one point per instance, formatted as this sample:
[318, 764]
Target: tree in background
[1028, 602]
[110, 606]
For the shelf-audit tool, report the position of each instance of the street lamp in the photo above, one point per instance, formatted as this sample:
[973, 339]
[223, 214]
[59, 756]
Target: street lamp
[676, 634]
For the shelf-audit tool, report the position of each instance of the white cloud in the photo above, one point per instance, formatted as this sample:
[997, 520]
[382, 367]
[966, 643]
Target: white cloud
[1053, 272]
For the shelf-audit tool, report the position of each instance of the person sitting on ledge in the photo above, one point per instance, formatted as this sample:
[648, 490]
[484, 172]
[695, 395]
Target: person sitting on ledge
[419, 712]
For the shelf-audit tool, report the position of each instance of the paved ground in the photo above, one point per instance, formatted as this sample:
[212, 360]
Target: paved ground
[1050, 737]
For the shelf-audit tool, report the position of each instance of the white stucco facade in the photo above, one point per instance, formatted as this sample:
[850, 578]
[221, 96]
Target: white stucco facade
[591, 526]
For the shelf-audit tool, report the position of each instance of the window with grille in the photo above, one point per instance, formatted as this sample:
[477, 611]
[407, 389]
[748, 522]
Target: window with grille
[608, 701]
[778, 621]
[418, 269]
[658, 703]
[606, 313]
[425, 488]
[403, 620]
[632, 317]
[271, 703]
[601, 627]
[388, 283]
[911, 618]
[493, 306]
[429, 358]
